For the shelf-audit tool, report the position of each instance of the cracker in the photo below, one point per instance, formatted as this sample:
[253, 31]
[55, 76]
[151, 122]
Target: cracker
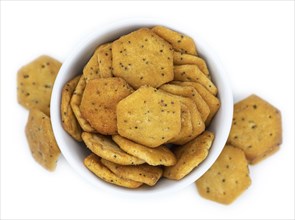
[190, 92]
[99, 101]
[93, 163]
[189, 156]
[35, 81]
[91, 69]
[192, 73]
[104, 56]
[212, 101]
[227, 178]
[153, 156]
[198, 125]
[75, 104]
[186, 127]
[41, 139]
[183, 58]
[143, 173]
[149, 117]
[141, 57]
[69, 121]
[179, 41]
[109, 150]
[256, 128]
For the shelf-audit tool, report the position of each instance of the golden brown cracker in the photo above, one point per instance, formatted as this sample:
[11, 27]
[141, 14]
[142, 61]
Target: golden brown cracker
[149, 117]
[153, 156]
[99, 102]
[256, 128]
[212, 101]
[69, 121]
[143, 173]
[141, 57]
[180, 42]
[227, 178]
[75, 104]
[104, 56]
[183, 59]
[192, 73]
[109, 150]
[41, 139]
[93, 163]
[91, 69]
[189, 92]
[35, 81]
[189, 156]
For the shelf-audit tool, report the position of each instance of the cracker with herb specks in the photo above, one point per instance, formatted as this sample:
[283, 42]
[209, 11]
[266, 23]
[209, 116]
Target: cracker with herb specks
[41, 139]
[35, 81]
[227, 178]
[109, 150]
[198, 125]
[189, 92]
[94, 164]
[91, 69]
[211, 100]
[183, 58]
[192, 73]
[75, 104]
[153, 156]
[69, 121]
[143, 58]
[256, 128]
[149, 117]
[143, 173]
[99, 102]
[180, 42]
[104, 56]
[189, 156]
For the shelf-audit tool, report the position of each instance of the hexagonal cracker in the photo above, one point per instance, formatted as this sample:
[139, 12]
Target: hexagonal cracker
[143, 58]
[227, 178]
[149, 117]
[256, 128]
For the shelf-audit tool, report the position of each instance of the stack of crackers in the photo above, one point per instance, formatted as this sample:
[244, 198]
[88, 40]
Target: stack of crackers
[142, 107]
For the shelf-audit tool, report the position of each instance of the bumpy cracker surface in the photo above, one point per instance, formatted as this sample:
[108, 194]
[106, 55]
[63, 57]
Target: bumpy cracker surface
[69, 121]
[141, 57]
[189, 156]
[180, 42]
[143, 173]
[192, 73]
[256, 128]
[190, 92]
[183, 58]
[93, 163]
[99, 102]
[109, 150]
[149, 117]
[212, 101]
[154, 156]
[35, 81]
[41, 140]
[228, 177]
[104, 56]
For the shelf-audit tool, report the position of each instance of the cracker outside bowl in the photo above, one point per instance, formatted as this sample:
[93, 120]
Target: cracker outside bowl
[75, 152]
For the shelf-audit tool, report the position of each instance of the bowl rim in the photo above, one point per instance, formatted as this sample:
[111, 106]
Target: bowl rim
[110, 31]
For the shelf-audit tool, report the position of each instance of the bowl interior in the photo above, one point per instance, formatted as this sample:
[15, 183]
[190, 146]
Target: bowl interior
[75, 152]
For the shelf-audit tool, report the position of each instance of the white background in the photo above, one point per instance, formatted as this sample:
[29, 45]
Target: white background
[255, 41]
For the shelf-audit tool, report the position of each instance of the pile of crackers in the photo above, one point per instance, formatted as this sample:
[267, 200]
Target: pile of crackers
[141, 106]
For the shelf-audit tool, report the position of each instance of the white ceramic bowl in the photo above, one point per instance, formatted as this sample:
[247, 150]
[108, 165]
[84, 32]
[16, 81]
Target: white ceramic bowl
[75, 152]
